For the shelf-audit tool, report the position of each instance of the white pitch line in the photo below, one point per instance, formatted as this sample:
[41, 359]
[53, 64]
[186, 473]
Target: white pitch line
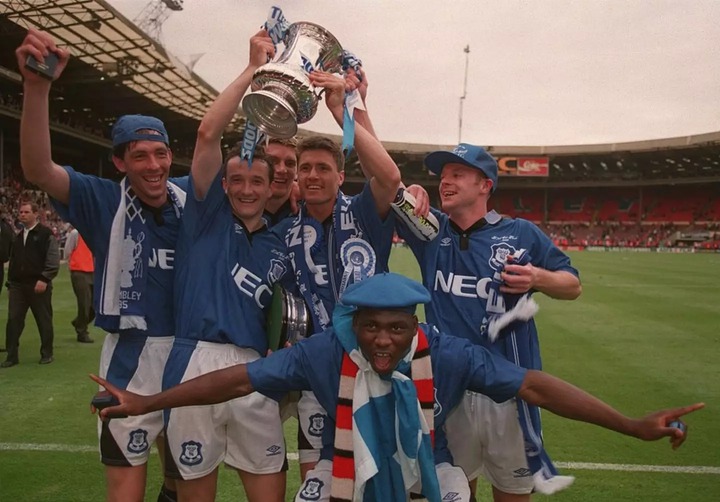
[676, 469]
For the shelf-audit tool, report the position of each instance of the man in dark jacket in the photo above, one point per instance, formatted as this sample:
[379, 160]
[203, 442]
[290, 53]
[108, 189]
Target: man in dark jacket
[7, 235]
[34, 262]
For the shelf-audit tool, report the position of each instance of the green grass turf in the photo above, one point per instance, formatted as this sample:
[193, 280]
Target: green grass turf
[644, 335]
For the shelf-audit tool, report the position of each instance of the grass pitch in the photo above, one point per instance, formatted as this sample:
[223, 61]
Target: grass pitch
[644, 335]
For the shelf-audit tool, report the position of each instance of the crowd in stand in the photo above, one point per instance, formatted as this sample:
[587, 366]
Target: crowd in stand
[13, 191]
[632, 236]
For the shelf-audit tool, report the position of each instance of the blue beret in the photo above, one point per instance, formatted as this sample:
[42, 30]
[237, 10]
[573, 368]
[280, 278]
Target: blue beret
[126, 130]
[386, 291]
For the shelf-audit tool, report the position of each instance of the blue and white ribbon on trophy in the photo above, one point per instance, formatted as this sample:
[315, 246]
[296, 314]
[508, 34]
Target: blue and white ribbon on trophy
[276, 26]
[251, 137]
[352, 101]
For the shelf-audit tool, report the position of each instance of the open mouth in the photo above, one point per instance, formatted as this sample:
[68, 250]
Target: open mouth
[382, 361]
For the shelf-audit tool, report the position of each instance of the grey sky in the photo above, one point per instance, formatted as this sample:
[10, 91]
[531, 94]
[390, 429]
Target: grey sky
[541, 72]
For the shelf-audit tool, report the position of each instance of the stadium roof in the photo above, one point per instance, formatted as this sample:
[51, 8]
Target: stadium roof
[106, 41]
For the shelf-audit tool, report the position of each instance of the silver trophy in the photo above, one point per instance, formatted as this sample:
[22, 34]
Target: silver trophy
[285, 96]
[288, 319]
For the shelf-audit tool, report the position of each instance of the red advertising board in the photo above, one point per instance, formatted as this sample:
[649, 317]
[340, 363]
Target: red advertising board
[524, 166]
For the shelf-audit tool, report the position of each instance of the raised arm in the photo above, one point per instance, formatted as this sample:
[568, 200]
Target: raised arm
[35, 152]
[207, 158]
[568, 401]
[378, 166]
[211, 388]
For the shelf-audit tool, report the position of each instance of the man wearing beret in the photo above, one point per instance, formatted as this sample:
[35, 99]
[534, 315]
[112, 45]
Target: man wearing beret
[388, 383]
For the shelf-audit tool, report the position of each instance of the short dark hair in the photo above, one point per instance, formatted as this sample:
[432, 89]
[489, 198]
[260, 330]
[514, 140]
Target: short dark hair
[119, 150]
[33, 205]
[259, 155]
[290, 142]
[322, 143]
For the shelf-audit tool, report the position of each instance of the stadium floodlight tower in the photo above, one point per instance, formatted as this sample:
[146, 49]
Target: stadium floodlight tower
[155, 13]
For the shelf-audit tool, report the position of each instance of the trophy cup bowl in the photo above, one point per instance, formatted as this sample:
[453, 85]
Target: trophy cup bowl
[285, 96]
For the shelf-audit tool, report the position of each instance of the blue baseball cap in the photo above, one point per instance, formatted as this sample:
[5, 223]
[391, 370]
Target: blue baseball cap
[126, 129]
[387, 291]
[468, 155]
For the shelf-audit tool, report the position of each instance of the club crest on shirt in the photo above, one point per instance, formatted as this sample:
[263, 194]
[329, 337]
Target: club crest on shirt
[138, 442]
[499, 253]
[277, 271]
[191, 453]
[317, 424]
[311, 489]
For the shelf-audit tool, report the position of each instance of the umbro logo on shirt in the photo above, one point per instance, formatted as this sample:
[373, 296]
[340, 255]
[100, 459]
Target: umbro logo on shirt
[445, 241]
[273, 450]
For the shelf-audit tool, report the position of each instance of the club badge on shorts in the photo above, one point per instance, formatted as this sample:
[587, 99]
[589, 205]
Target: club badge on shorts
[138, 441]
[191, 453]
[317, 425]
[311, 490]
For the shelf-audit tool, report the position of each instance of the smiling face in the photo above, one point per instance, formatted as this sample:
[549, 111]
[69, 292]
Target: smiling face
[147, 167]
[318, 177]
[384, 336]
[248, 190]
[284, 161]
[462, 187]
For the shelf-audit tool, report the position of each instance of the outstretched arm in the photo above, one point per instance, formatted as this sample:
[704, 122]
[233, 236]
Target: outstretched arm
[207, 158]
[211, 388]
[566, 400]
[35, 153]
[378, 166]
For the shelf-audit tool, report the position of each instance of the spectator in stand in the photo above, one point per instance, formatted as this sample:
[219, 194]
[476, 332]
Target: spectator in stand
[80, 263]
[34, 263]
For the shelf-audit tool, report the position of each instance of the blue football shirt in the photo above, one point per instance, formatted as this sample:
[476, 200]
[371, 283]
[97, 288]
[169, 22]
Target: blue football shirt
[225, 274]
[314, 364]
[91, 209]
[376, 231]
[457, 267]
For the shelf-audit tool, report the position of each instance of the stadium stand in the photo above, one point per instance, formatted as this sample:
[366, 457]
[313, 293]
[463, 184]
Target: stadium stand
[657, 193]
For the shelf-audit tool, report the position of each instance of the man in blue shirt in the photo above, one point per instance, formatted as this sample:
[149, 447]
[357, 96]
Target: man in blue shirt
[388, 384]
[227, 263]
[131, 228]
[478, 266]
[336, 240]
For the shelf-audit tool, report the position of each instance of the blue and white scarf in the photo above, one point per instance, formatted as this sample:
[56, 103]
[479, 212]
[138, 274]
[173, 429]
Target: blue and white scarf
[511, 330]
[125, 271]
[350, 257]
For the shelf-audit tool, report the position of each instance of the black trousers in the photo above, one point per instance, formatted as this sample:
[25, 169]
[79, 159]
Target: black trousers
[21, 298]
[82, 284]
